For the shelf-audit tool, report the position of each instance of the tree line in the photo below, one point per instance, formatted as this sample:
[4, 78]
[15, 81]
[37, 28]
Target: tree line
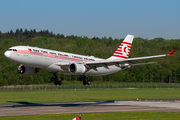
[166, 69]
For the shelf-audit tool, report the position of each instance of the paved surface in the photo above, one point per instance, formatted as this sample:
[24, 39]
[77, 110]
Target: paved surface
[24, 108]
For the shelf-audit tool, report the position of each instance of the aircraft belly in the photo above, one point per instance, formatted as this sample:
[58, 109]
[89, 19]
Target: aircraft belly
[53, 67]
[56, 68]
[103, 71]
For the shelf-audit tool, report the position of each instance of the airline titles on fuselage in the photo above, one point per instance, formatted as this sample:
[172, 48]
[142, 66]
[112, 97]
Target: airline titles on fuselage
[60, 54]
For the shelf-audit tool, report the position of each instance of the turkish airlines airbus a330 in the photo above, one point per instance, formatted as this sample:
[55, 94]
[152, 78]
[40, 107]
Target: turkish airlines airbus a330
[30, 59]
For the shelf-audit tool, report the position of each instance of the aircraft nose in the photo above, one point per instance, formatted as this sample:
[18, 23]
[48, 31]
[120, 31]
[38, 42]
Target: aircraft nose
[7, 54]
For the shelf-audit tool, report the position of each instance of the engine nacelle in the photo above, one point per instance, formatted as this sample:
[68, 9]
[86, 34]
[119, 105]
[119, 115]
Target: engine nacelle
[77, 68]
[25, 70]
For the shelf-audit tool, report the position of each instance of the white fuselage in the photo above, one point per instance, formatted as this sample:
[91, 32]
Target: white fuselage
[47, 59]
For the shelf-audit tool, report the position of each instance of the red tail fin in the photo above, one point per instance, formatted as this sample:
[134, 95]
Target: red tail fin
[124, 49]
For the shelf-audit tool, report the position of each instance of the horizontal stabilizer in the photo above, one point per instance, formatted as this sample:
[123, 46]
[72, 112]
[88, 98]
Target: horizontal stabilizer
[143, 63]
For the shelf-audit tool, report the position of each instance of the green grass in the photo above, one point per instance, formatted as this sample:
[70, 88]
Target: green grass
[70, 95]
[102, 116]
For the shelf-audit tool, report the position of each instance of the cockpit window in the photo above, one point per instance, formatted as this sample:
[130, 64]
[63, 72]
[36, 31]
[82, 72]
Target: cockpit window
[11, 50]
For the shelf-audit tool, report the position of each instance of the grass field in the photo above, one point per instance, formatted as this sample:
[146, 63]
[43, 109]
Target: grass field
[102, 116]
[67, 95]
[71, 95]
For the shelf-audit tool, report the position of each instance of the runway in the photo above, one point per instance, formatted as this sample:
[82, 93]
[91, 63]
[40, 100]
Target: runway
[24, 108]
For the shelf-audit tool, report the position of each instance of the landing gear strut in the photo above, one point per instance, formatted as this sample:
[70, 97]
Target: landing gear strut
[55, 80]
[85, 80]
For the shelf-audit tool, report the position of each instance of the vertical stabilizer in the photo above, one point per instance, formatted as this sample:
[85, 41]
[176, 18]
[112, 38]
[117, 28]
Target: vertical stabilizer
[124, 49]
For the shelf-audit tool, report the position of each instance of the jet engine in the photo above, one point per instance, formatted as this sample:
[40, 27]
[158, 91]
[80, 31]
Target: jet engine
[25, 70]
[77, 68]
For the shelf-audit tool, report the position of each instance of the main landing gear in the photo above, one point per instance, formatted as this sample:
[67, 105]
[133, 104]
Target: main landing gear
[55, 80]
[85, 80]
[59, 82]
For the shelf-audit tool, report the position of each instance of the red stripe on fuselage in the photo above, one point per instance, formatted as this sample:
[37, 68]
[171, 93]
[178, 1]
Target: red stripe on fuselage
[50, 55]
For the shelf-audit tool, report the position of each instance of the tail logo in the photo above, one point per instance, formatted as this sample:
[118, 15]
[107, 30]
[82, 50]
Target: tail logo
[123, 50]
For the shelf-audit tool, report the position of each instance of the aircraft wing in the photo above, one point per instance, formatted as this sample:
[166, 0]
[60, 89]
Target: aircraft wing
[106, 63]
[116, 62]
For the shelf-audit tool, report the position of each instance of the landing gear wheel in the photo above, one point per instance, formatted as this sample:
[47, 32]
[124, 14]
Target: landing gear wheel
[84, 82]
[55, 82]
[59, 82]
[52, 79]
[56, 78]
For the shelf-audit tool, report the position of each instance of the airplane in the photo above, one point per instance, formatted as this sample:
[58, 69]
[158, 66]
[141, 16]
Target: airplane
[30, 59]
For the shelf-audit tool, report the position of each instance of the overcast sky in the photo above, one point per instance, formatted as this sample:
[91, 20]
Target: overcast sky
[110, 18]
